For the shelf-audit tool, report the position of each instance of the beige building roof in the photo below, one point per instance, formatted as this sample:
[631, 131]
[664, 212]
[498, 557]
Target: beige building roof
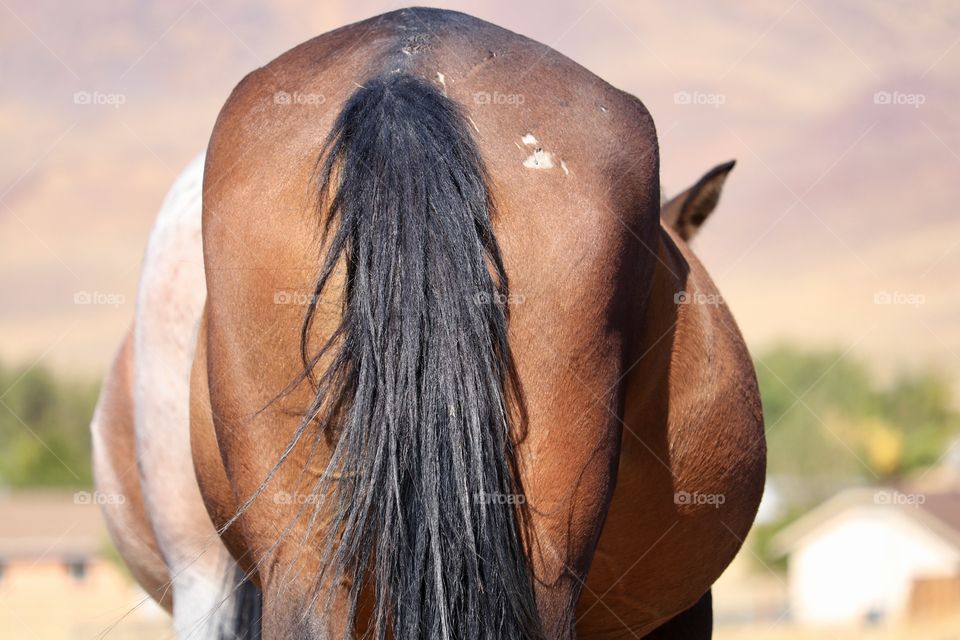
[939, 511]
[52, 525]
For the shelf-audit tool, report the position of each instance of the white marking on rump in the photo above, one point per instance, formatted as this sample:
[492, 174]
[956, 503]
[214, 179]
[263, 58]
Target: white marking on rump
[539, 159]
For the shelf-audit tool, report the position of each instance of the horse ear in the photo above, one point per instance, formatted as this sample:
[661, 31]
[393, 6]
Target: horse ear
[686, 212]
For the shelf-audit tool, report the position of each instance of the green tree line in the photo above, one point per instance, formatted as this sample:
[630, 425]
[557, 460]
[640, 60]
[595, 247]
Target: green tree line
[44, 428]
[829, 415]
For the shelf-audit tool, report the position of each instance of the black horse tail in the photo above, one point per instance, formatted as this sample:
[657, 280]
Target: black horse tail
[417, 388]
[245, 623]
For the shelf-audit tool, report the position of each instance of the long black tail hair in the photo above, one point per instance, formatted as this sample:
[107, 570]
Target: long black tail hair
[416, 388]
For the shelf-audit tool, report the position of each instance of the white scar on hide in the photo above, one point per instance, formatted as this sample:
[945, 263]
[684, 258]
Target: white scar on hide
[540, 158]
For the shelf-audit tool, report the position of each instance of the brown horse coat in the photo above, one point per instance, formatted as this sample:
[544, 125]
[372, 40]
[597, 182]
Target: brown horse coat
[643, 463]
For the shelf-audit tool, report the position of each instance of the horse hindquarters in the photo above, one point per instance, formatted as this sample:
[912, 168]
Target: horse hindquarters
[692, 462]
[569, 217]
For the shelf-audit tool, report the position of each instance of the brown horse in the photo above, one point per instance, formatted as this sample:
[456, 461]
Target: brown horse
[451, 377]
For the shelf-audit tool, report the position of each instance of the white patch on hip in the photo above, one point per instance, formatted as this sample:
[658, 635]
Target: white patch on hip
[539, 159]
